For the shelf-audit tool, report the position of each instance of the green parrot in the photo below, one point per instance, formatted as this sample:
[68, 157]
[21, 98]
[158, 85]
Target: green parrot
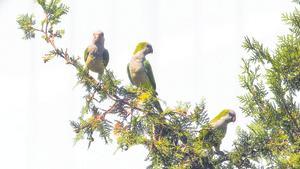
[96, 57]
[216, 130]
[140, 72]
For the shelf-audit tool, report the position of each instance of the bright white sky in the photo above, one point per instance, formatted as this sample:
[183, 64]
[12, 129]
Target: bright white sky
[197, 54]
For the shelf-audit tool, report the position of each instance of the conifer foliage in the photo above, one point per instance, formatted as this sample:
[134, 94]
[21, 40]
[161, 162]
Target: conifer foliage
[113, 111]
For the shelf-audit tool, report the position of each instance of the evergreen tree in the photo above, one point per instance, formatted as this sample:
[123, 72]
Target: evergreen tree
[271, 82]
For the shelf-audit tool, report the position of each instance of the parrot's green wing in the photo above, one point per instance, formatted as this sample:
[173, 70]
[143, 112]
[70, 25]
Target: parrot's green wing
[212, 137]
[206, 136]
[105, 57]
[128, 73]
[204, 132]
[86, 54]
[150, 74]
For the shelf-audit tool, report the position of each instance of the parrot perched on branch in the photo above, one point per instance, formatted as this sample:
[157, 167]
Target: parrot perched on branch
[96, 57]
[216, 130]
[140, 72]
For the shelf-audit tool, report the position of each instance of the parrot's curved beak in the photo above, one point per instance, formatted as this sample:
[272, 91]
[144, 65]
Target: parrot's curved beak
[233, 118]
[150, 49]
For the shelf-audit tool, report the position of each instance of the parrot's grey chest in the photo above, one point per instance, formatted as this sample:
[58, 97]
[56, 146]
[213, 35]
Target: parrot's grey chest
[98, 54]
[97, 62]
[220, 127]
[138, 72]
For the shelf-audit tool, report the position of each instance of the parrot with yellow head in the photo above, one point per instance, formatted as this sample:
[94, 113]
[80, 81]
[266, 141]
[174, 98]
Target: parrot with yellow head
[140, 72]
[217, 127]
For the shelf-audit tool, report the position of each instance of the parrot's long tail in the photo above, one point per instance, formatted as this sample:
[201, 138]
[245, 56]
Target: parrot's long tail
[157, 106]
[156, 103]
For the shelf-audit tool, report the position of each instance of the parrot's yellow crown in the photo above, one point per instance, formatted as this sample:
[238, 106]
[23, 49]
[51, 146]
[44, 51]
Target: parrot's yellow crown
[220, 115]
[140, 46]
